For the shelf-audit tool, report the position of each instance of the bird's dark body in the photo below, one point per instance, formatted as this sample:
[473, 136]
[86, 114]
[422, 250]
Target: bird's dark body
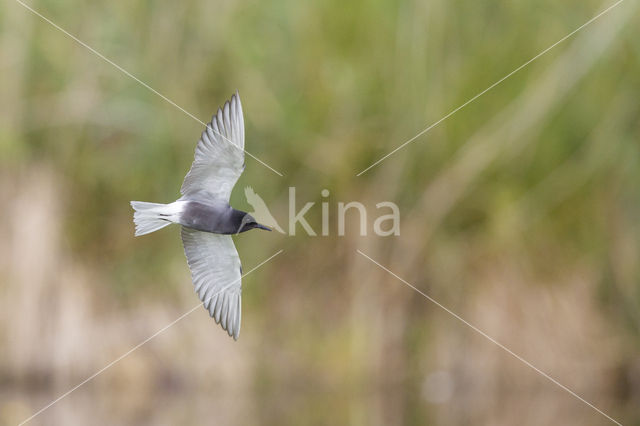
[217, 218]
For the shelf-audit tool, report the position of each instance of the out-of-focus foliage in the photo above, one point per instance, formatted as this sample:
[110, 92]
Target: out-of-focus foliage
[519, 212]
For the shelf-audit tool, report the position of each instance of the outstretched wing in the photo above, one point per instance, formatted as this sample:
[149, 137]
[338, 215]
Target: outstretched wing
[216, 274]
[219, 157]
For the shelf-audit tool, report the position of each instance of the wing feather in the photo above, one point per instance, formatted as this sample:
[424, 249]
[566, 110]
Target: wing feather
[215, 270]
[219, 155]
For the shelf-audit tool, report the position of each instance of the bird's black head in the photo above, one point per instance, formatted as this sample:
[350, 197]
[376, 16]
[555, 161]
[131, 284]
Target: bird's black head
[248, 222]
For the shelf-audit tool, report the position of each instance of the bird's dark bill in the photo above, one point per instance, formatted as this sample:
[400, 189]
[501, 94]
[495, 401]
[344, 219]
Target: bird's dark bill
[263, 227]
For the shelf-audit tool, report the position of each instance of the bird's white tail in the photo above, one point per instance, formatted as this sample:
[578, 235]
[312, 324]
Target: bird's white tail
[150, 217]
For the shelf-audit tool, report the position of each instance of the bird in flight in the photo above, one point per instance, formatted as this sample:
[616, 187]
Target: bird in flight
[207, 219]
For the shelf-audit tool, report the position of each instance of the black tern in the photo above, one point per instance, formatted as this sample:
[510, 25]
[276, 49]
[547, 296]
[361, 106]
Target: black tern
[207, 219]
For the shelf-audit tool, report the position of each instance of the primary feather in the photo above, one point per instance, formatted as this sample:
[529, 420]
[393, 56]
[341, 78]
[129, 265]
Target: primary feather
[216, 273]
[219, 156]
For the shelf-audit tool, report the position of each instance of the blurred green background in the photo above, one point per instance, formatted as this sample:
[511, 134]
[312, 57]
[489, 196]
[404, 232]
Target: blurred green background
[520, 212]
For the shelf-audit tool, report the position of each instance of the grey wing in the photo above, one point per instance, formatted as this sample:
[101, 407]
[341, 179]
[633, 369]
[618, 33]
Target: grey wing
[216, 274]
[219, 156]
